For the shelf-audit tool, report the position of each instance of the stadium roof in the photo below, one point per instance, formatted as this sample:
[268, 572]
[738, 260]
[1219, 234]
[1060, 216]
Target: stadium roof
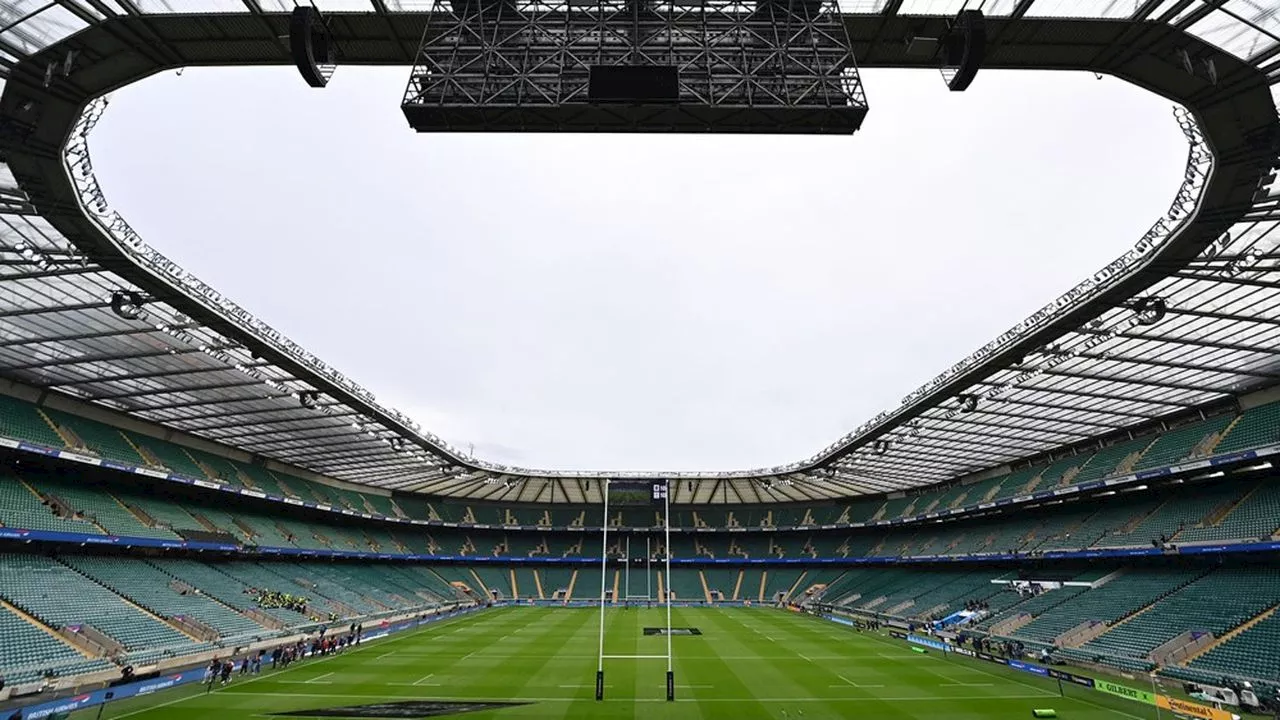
[1189, 316]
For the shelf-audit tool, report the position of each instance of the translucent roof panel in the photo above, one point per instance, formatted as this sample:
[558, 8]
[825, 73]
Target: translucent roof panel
[29, 26]
[191, 7]
[1241, 27]
[1110, 9]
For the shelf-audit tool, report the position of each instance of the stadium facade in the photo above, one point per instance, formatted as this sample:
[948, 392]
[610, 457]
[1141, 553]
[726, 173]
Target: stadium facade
[168, 456]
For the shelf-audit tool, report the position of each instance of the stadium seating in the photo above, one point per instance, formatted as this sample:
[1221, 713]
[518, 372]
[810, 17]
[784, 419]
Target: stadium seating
[1181, 443]
[1177, 512]
[1256, 515]
[1214, 603]
[104, 510]
[1120, 457]
[1113, 601]
[1254, 428]
[59, 597]
[101, 439]
[1250, 654]
[22, 507]
[146, 585]
[32, 653]
[173, 457]
[23, 421]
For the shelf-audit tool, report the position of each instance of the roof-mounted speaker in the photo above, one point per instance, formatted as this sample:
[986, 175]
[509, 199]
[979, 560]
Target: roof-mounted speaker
[963, 49]
[311, 46]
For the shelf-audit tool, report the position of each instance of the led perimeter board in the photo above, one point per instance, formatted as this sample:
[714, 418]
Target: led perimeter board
[728, 66]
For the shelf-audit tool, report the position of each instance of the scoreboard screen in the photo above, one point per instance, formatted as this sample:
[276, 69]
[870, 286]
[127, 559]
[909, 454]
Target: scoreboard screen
[637, 492]
[659, 492]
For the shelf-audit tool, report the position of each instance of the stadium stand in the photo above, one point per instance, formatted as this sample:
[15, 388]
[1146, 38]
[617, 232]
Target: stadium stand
[1218, 435]
[164, 608]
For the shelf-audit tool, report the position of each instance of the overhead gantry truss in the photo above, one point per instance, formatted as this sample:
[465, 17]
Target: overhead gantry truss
[1188, 317]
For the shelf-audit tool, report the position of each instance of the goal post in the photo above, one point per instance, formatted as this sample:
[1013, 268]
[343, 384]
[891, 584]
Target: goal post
[656, 492]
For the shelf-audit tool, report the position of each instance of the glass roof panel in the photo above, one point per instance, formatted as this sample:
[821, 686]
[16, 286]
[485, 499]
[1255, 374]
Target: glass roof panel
[188, 7]
[1164, 7]
[344, 5]
[1112, 9]
[862, 6]
[1229, 32]
[999, 7]
[35, 32]
[933, 7]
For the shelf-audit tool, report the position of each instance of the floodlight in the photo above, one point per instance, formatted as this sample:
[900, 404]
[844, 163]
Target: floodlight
[127, 304]
[1150, 310]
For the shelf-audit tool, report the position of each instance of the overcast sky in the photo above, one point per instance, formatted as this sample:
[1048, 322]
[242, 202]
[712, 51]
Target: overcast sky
[639, 302]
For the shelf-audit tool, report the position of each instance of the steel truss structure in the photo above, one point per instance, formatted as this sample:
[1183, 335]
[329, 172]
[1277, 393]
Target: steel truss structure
[1188, 318]
[684, 66]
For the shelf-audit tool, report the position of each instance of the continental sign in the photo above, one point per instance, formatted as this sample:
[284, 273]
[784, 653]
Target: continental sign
[1195, 710]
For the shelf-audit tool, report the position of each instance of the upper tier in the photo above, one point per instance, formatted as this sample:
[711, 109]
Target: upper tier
[52, 432]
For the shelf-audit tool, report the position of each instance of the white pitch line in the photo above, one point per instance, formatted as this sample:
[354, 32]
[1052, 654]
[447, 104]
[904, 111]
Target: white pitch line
[854, 684]
[319, 679]
[960, 684]
[907, 698]
[149, 708]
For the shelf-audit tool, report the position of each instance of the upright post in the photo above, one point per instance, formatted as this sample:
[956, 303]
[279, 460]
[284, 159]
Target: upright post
[666, 527]
[604, 566]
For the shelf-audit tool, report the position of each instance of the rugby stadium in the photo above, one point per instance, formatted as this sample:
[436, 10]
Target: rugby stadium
[201, 519]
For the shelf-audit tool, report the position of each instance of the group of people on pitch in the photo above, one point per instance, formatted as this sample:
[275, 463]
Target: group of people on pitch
[220, 671]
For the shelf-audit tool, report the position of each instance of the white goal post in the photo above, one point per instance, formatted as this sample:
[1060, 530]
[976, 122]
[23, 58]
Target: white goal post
[604, 574]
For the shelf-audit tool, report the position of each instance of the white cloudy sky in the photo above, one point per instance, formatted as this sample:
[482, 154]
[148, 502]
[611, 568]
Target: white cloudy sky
[639, 302]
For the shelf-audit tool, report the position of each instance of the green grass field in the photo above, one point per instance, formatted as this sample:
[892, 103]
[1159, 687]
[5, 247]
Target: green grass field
[747, 663]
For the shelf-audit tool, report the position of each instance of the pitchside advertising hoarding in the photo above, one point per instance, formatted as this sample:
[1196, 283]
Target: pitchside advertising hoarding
[64, 706]
[1184, 708]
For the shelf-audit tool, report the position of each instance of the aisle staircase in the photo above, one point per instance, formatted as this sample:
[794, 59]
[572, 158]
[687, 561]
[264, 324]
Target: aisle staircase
[573, 580]
[706, 591]
[791, 593]
[68, 436]
[488, 594]
[1211, 442]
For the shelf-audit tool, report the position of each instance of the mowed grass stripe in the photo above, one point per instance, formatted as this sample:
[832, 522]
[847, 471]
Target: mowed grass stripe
[547, 656]
[776, 677]
[884, 667]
